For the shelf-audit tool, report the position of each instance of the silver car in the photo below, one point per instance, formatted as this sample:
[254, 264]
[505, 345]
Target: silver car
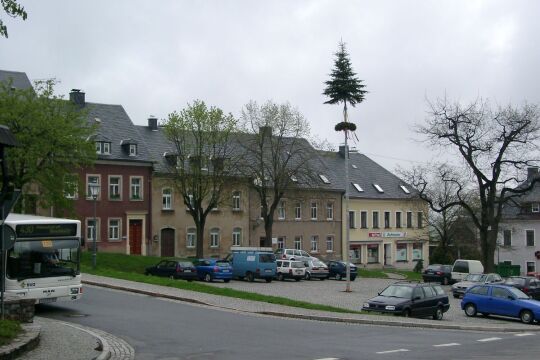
[292, 254]
[459, 289]
[316, 269]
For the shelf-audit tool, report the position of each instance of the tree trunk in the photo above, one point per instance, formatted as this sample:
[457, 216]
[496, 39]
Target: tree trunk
[200, 239]
[488, 240]
[268, 233]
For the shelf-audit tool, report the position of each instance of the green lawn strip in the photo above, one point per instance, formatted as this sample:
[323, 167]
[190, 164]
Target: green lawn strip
[9, 330]
[203, 288]
[371, 273]
[410, 275]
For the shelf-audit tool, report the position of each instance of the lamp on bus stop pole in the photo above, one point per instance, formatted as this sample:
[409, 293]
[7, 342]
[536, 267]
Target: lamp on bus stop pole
[94, 192]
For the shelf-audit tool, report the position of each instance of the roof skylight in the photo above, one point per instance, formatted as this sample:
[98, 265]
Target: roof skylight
[379, 189]
[405, 190]
[324, 179]
[293, 178]
[354, 166]
[358, 187]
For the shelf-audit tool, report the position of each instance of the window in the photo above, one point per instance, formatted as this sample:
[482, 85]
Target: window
[92, 180]
[280, 242]
[363, 219]
[373, 253]
[237, 237]
[398, 219]
[409, 219]
[386, 219]
[166, 196]
[132, 149]
[535, 207]
[417, 251]
[499, 293]
[357, 254]
[315, 243]
[262, 212]
[115, 183]
[114, 229]
[324, 179]
[298, 211]
[358, 187]
[401, 252]
[531, 266]
[529, 237]
[379, 189]
[190, 199]
[375, 220]
[507, 237]
[70, 186]
[91, 229]
[313, 210]
[236, 201]
[352, 220]
[405, 190]
[103, 147]
[418, 293]
[420, 220]
[479, 290]
[191, 236]
[329, 243]
[330, 211]
[281, 210]
[298, 242]
[214, 237]
[136, 188]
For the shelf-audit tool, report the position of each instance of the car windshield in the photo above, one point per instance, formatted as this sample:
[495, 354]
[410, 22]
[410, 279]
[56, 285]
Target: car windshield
[475, 277]
[297, 264]
[518, 293]
[516, 281]
[318, 263]
[399, 291]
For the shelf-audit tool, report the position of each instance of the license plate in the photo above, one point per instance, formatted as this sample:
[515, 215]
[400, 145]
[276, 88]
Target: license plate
[268, 270]
[225, 270]
[47, 300]
[298, 271]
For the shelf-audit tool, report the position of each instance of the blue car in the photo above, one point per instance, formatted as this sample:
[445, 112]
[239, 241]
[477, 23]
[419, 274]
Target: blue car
[212, 269]
[501, 300]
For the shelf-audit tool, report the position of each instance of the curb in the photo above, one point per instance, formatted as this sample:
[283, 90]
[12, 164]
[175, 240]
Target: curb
[320, 317]
[106, 349]
[28, 340]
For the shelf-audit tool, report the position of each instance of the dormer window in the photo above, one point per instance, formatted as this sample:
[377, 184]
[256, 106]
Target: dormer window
[294, 179]
[358, 187]
[324, 179]
[132, 149]
[103, 147]
[535, 207]
[405, 190]
[379, 189]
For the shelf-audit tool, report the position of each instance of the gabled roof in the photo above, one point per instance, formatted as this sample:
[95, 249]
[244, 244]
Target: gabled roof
[513, 208]
[19, 79]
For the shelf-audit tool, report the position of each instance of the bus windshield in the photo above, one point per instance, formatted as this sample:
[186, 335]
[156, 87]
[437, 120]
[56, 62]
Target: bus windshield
[43, 258]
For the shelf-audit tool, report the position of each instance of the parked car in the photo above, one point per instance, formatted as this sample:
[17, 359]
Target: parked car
[175, 269]
[438, 273]
[213, 269]
[411, 299]
[316, 269]
[458, 289]
[253, 263]
[462, 268]
[338, 270]
[528, 284]
[500, 299]
[292, 254]
[289, 269]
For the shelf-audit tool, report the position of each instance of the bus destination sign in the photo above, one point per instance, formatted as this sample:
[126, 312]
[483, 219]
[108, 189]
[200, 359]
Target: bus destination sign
[46, 230]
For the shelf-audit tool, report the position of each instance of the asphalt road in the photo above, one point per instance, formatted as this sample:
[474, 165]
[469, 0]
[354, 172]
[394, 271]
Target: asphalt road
[164, 329]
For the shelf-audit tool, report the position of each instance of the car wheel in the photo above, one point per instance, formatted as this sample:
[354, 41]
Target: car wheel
[250, 277]
[445, 281]
[470, 310]
[208, 277]
[353, 278]
[297, 279]
[526, 317]
[308, 276]
[280, 277]
[268, 280]
[456, 296]
[407, 313]
[438, 314]
[338, 277]
[322, 279]
[226, 280]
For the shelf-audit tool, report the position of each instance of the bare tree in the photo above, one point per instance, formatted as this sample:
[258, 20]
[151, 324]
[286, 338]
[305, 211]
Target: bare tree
[495, 145]
[276, 155]
[203, 161]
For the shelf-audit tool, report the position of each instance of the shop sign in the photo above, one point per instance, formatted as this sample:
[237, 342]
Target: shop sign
[388, 234]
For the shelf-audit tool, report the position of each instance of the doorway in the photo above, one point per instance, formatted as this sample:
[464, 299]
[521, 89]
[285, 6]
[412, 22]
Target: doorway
[135, 237]
[167, 242]
[387, 254]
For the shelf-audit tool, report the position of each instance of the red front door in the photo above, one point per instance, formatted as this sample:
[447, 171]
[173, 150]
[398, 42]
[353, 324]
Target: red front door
[135, 236]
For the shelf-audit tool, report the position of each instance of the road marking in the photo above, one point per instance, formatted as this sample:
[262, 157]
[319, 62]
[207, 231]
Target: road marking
[391, 351]
[449, 344]
[327, 359]
[489, 339]
[524, 334]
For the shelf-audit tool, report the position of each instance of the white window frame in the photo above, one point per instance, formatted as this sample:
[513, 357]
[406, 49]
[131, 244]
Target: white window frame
[298, 211]
[133, 186]
[281, 210]
[352, 225]
[378, 219]
[191, 241]
[367, 219]
[166, 198]
[527, 266]
[215, 237]
[409, 215]
[400, 219]
[114, 228]
[330, 243]
[535, 207]
[68, 180]
[389, 219]
[117, 186]
[314, 243]
[88, 192]
[132, 149]
[236, 197]
[313, 210]
[329, 210]
[237, 236]
[281, 242]
[298, 242]
[91, 229]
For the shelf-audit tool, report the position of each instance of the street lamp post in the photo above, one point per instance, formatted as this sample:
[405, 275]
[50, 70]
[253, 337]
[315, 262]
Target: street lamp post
[94, 192]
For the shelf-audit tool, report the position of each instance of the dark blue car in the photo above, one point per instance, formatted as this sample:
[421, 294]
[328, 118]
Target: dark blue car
[212, 269]
[500, 300]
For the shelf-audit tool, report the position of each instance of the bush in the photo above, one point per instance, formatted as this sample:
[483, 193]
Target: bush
[419, 266]
[9, 329]
[442, 255]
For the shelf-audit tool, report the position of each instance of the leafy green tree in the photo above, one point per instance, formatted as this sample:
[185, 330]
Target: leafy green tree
[53, 136]
[203, 160]
[12, 9]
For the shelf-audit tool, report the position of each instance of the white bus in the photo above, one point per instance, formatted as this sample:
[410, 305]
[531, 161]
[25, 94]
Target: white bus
[44, 263]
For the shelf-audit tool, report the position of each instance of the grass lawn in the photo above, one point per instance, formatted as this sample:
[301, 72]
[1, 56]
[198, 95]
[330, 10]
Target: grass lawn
[8, 330]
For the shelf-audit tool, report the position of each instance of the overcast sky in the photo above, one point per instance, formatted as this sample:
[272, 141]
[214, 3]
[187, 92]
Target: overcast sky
[153, 57]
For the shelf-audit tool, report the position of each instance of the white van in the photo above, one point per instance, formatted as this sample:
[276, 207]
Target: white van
[463, 268]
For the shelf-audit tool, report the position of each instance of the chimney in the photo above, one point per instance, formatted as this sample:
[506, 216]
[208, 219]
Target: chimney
[531, 173]
[76, 96]
[152, 123]
[342, 151]
[265, 131]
